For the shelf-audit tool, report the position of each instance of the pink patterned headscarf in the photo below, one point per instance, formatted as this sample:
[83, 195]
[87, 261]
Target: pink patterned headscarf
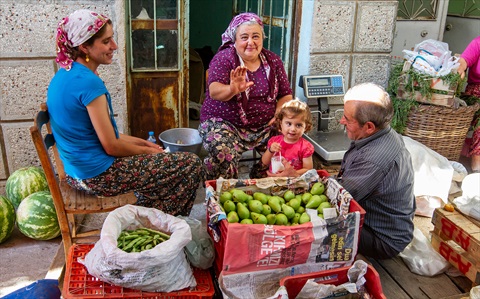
[73, 31]
[228, 37]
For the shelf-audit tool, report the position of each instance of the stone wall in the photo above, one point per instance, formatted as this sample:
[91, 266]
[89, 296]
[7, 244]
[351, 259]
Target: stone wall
[27, 64]
[351, 38]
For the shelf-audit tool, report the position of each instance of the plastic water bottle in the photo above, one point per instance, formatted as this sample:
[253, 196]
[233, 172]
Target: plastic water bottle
[151, 137]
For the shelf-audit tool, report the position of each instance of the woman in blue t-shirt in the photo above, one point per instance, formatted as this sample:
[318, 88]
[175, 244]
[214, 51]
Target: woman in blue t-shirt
[97, 158]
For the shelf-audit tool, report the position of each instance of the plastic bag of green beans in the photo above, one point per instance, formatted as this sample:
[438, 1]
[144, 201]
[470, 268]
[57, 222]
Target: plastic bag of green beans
[142, 248]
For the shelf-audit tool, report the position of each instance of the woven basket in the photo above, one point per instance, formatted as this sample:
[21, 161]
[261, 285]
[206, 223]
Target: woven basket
[443, 129]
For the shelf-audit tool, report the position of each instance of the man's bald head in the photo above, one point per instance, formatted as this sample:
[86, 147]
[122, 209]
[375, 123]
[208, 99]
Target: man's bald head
[372, 104]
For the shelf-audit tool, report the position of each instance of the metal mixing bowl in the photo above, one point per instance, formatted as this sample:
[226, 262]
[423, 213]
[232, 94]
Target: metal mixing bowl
[181, 140]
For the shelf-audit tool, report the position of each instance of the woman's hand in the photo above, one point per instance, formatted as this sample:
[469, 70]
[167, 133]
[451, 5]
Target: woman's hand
[153, 148]
[238, 82]
[462, 68]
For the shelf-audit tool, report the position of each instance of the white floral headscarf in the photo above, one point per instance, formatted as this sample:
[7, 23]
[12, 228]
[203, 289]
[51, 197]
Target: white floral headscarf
[228, 37]
[73, 31]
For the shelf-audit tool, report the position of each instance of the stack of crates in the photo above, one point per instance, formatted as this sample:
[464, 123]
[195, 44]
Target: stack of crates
[457, 238]
[79, 284]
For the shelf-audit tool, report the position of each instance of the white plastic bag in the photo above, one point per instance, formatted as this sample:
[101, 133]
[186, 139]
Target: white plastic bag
[459, 173]
[200, 251]
[355, 285]
[433, 172]
[431, 47]
[469, 202]
[163, 268]
[421, 258]
[469, 205]
[475, 292]
[432, 57]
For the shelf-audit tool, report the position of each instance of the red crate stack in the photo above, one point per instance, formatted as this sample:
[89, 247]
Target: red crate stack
[79, 284]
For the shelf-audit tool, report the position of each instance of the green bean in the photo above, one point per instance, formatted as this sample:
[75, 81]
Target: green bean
[140, 231]
[140, 239]
[163, 235]
[130, 237]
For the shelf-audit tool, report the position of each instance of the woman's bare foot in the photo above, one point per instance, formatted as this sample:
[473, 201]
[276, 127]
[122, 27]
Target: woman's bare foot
[475, 163]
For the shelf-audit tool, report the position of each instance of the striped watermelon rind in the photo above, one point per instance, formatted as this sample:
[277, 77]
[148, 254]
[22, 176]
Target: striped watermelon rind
[23, 182]
[37, 218]
[7, 218]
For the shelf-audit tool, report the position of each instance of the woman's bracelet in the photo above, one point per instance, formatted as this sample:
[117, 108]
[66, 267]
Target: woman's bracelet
[270, 151]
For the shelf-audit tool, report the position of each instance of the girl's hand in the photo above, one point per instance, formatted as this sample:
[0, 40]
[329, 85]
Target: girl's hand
[238, 82]
[289, 171]
[275, 147]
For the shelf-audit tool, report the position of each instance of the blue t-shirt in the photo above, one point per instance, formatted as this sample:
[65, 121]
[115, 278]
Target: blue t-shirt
[68, 95]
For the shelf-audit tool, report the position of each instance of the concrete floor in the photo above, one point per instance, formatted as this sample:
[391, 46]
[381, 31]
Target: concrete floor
[24, 260]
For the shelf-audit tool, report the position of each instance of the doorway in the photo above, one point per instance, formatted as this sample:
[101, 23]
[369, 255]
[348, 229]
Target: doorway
[209, 19]
[418, 21]
[170, 44]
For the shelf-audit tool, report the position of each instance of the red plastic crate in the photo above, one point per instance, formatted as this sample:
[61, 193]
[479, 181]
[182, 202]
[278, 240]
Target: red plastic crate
[220, 245]
[79, 284]
[295, 283]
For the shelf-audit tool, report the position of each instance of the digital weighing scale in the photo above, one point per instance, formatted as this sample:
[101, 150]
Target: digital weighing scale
[330, 144]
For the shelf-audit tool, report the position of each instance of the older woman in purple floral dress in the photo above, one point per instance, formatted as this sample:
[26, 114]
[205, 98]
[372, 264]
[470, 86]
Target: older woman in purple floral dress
[246, 85]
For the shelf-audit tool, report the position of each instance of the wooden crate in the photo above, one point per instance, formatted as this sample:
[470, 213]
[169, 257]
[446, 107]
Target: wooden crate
[442, 94]
[457, 238]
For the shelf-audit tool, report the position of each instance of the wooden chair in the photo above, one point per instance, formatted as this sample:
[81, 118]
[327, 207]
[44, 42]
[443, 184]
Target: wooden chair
[69, 201]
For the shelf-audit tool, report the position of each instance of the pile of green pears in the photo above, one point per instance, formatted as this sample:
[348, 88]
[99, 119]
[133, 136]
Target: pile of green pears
[261, 208]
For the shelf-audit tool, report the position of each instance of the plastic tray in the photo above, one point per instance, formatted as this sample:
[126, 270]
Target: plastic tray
[79, 284]
[295, 283]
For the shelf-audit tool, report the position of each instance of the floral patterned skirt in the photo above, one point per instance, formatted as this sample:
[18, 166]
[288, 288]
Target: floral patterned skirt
[167, 182]
[225, 144]
[474, 90]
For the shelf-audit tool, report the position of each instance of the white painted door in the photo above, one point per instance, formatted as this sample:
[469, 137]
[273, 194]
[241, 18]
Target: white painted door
[418, 21]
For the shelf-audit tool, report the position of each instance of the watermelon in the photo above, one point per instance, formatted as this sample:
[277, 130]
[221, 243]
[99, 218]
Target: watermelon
[37, 218]
[23, 182]
[7, 218]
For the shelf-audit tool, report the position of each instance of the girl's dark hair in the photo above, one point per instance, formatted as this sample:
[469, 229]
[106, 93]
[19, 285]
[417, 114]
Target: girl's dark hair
[293, 108]
[76, 52]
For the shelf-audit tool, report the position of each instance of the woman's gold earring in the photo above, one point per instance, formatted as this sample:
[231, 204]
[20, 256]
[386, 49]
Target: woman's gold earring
[87, 59]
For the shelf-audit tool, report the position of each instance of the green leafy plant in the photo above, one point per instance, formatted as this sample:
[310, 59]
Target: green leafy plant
[411, 80]
[408, 81]
[401, 110]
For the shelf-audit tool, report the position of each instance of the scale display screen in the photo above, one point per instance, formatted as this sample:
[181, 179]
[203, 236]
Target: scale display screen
[322, 85]
[318, 82]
